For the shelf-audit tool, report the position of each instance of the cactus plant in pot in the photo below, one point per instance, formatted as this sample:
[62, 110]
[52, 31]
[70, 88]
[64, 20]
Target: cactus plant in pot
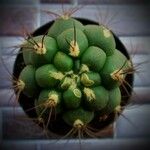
[74, 76]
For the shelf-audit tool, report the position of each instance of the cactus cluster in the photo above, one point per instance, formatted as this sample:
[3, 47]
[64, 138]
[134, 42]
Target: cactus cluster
[74, 71]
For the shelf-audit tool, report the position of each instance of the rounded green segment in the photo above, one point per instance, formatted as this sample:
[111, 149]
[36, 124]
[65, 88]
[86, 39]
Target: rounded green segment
[94, 58]
[63, 62]
[73, 42]
[48, 99]
[72, 98]
[78, 114]
[62, 24]
[43, 49]
[99, 100]
[101, 37]
[113, 63]
[44, 76]
[114, 101]
[27, 76]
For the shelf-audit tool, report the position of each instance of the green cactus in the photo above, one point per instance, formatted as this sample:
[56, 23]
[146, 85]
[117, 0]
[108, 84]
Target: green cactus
[76, 70]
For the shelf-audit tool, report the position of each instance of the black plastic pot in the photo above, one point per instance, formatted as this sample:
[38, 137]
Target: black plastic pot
[59, 127]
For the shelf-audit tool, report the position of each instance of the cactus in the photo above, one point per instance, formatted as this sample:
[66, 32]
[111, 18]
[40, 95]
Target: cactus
[74, 72]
